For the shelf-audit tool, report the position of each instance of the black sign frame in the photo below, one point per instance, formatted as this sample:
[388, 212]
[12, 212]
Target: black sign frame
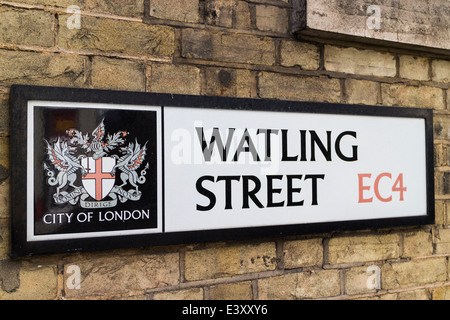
[21, 94]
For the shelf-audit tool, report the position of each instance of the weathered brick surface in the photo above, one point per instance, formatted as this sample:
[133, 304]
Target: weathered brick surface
[19, 67]
[303, 253]
[414, 273]
[356, 61]
[421, 294]
[219, 12]
[414, 68]
[164, 78]
[232, 291]
[304, 55]
[111, 274]
[440, 212]
[300, 88]
[187, 294]
[242, 16]
[305, 285]
[417, 244]
[230, 82]
[229, 261]
[441, 70]
[442, 237]
[26, 27]
[441, 293]
[4, 239]
[180, 10]
[201, 44]
[442, 183]
[441, 127]
[4, 184]
[129, 8]
[363, 248]
[27, 282]
[412, 96]
[361, 91]
[272, 18]
[117, 74]
[4, 113]
[55, 3]
[117, 36]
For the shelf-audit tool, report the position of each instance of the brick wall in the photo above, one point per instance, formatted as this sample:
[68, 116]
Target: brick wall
[239, 48]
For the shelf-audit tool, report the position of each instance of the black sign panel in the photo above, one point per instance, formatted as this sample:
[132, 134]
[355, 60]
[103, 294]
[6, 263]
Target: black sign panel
[97, 169]
[89, 160]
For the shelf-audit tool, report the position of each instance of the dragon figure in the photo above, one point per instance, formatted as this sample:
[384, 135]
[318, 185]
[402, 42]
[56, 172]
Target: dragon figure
[60, 155]
[129, 163]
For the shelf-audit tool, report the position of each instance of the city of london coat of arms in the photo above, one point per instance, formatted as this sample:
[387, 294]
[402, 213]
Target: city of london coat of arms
[96, 170]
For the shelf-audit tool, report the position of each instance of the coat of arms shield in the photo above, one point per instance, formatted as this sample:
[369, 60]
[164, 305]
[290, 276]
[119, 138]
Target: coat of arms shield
[98, 181]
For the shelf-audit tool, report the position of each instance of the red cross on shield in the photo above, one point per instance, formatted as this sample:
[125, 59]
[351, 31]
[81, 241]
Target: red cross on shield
[98, 181]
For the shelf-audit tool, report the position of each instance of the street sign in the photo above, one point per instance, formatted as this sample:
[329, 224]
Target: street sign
[96, 169]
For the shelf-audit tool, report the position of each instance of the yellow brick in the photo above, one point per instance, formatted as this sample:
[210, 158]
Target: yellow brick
[5, 204]
[412, 96]
[26, 27]
[413, 273]
[229, 82]
[299, 88]
[242, 15]
[272, 18]
[417, 244]
[302, 54]
[442, 238]
[5, 182]
[356, 61]
[441, 70]
[303, 253]
[219, 12]
[363, 248]
[229, 261]
[121, 274]
[35, 68]
[361, 91]
[440, 212]
[130, 8]
[236, 48]
[305, 285]
[441, 127]
[178, 79]
[187, 294]
[4, 239]
[232, 291]
[28, 282]
[414, 68]
[440, 155]
[4, 113]
[180, 10]
[442, 293]
[448, 100]
[117, 36]
[117, 74]
[415, 295]
[55, 3]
